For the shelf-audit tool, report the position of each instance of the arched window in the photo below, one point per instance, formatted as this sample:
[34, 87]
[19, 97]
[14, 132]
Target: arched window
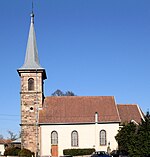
[30, 84]
[103, 139]
[54, 138]
[74, 139]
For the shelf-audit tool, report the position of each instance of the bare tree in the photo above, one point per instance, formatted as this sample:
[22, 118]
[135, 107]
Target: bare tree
[12, 136]
[69, 93]
[58, 92]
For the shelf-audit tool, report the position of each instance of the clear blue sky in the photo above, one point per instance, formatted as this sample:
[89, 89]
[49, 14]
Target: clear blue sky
[91, 47]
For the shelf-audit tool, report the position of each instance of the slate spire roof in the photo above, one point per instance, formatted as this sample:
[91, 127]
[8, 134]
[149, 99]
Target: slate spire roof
[31, 59]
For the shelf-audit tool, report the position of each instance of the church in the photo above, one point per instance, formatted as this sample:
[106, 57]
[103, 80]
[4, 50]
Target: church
[54, 123]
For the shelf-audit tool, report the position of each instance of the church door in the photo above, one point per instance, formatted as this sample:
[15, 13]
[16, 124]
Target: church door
[54, 149]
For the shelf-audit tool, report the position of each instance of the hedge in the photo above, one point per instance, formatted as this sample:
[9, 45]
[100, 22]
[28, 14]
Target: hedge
[13, 151]
[25, 152]
[76, 152]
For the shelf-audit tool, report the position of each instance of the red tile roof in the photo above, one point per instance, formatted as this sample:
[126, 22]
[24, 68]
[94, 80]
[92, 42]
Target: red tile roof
[78, 109]
[5, 141]
[130, 112]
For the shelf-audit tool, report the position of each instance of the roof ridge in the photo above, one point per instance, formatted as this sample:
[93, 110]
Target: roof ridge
[77, 96]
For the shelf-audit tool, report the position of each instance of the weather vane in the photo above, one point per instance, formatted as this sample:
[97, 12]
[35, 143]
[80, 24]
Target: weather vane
[32, 6]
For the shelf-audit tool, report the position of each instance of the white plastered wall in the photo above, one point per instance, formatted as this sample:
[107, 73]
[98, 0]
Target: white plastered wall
[2, 149]
[88, 136]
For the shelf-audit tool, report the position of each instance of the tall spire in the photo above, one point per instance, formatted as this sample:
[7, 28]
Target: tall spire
[31, 58]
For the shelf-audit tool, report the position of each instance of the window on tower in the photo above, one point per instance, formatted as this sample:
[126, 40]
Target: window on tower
[30, 84]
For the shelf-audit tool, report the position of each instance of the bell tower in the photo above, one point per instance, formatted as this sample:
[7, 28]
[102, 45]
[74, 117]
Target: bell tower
[32, 76]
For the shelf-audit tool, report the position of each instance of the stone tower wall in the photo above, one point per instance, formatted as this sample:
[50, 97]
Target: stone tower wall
[31, 101]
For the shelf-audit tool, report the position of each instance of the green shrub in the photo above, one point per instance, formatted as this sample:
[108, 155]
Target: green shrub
[25, 153]
[76, 152]
[13, 151]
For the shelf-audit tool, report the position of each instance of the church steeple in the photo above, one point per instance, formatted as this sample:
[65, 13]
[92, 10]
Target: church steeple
[31, 59]
[32, 77]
